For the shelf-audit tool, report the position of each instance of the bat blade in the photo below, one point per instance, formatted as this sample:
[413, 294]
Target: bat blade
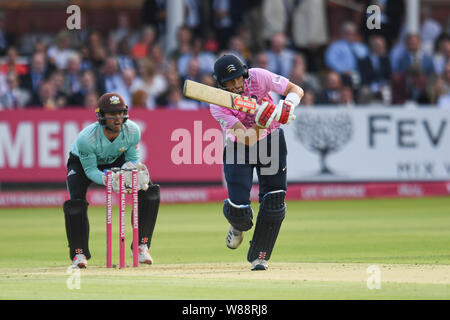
[201, 92]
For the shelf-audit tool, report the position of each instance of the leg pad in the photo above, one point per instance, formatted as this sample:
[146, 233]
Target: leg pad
[271, 214]
[77, 226]
[239, 216]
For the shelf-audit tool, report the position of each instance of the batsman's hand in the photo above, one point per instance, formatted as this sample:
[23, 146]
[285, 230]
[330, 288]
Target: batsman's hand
[266, 113]
[285, 112]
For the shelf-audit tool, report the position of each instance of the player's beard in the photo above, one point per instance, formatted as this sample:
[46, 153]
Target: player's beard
[117, 126]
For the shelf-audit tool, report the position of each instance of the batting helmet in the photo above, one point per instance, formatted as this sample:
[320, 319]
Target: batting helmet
[229, 67]
[110, 102]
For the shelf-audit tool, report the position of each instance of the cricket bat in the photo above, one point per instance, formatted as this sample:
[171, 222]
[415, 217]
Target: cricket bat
[223, 98]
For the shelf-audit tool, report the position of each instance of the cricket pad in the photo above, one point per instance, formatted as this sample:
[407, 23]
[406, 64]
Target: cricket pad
[148, 207]
[240, 217]
[77, 227]
[270, 216]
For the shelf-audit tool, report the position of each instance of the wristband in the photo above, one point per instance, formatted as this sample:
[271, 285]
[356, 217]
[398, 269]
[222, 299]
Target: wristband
[294, 98]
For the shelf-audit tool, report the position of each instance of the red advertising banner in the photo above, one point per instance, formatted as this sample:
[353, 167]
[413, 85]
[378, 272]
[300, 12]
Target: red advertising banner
[176, 146]
[304, 192]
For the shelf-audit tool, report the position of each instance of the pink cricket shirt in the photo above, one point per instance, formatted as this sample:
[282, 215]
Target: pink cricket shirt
[260, 84]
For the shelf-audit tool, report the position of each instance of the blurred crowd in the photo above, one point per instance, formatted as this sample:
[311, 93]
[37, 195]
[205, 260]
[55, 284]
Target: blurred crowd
[292, 38]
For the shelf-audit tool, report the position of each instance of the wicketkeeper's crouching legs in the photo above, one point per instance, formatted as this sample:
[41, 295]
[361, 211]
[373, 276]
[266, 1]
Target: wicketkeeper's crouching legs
[147, 212]
[77, 227]
[270, 216]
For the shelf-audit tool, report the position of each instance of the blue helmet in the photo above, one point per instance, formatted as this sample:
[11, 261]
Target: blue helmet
[229, 67]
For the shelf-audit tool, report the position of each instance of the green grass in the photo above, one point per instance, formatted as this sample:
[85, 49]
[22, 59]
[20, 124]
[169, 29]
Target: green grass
[381, 231]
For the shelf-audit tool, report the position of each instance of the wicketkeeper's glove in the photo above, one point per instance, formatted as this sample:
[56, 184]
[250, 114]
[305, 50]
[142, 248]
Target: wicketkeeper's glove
[143, 177]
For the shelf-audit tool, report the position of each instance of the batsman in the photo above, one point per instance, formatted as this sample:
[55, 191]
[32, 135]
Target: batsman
[111, 142]
[247, 135]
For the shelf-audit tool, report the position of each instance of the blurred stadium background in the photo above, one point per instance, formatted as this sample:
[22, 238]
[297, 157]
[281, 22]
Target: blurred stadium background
[378, 98]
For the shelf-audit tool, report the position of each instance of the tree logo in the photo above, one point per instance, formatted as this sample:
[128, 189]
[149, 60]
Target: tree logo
[324, 133]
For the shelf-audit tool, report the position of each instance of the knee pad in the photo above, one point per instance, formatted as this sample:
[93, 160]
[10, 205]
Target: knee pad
[239, 216]
[147, 212]
[77, 226]
[271, 214]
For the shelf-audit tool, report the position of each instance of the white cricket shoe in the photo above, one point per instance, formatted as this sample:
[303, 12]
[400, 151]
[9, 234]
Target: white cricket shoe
[79, 261]
[144, 255]
[234, 237]
[259, 264]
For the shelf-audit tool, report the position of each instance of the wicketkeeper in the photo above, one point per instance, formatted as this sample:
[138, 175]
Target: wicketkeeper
[110, 142]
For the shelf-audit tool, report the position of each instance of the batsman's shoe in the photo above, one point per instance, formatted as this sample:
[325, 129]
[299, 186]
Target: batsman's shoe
[79, 261]
[144, 254]
[259, 264]
[234, 237]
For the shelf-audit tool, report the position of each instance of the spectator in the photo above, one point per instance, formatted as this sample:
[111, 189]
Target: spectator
[443, 88]
[260, 60]
[205, 59]
[142, 48]
[193, 72]
[40, 47]
[414, 55]
[310, 31]
[110, 80]
[308, 99]
[154, 14]
[57, 79]
[252, 24]
[397, 51]
[208, 80]
[346, 97]
[87, 86]
[410, 87]
[375, 69]
[85, 63]
[153, 83]
[158, 58]
[392, 13]
[430, 30]
[72, 79]
[300, 76]
[35, 35]
[59, 53]
[112, 46]
[184, 39]
[91, 100]
[123, 30]
[45, 97]
[331, 94]
[12, 64]
[193, 11]
[14, 97]
[173, 81]
[124, 56]
[280, 58]
[442, 56]
[342, 55]
[39, 71]
[131, 84]
[222, 22]
[237, 47]
[176, 100]
[274, 19]
[96, 50]
[139, 99]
